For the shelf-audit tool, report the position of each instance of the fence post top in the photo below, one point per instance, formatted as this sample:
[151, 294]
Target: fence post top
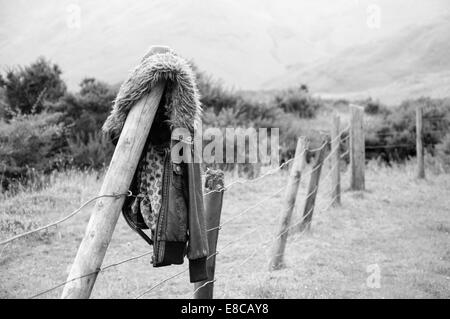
[155, 49]
[355, 106]
[303, 140]
[214, 180]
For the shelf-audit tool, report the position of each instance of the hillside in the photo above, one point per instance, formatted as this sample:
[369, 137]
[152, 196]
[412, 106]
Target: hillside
[410, 64]
[248, 44]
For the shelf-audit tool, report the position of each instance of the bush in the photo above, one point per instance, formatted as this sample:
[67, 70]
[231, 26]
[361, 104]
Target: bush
[393, 136]
[85, 112]
[443, 152]
[94, 153]
[298, 102]
[27, 89]
[44, 128]
[29, 144]
[374, 107]
[4, 107]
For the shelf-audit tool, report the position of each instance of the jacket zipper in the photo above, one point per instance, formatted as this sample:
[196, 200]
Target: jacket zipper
[158, 250]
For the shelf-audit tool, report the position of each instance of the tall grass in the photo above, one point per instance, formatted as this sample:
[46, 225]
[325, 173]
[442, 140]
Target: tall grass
[37, 202]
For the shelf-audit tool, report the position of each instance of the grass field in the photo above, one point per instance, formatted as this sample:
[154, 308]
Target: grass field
[399, 228]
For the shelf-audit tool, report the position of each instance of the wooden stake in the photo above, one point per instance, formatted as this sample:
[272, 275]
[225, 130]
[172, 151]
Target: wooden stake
[313, 188]
[419, 143]
[107, 210]
[335, 162]
[236, 171]
[357, 149]
[213, 208]
[291, 194]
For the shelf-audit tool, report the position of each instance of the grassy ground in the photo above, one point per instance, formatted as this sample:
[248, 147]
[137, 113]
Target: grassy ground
[399, 228]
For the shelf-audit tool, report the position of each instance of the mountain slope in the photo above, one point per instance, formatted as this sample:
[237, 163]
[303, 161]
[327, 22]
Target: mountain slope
[415, 62]
[249, 44]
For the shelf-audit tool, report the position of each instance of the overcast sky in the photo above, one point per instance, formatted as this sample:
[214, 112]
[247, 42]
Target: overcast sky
[280, 32]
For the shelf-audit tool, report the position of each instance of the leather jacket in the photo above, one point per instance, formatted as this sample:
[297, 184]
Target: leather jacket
[177, 227]
[180, 228]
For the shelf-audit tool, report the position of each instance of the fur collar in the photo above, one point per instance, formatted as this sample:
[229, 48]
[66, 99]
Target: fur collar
[181, 97]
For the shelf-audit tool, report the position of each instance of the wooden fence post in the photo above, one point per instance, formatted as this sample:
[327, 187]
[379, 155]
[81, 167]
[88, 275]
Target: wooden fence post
[236, 170]
[117, 180]
[357, 149]
[313, 188]
[419, 143]
[291, 194]
[214, 183]
[335, 161]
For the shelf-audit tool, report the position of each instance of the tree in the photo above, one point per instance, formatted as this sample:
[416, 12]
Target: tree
[27, 89]
[85, 111]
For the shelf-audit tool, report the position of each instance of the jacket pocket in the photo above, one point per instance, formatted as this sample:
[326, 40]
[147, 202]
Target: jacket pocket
[176, 227]
[176, 214]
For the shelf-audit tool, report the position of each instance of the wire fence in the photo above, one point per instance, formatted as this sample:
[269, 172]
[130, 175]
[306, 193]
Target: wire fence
[264, 244]
[393, 139]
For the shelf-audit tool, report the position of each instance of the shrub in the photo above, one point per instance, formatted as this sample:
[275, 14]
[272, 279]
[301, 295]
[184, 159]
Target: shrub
[244, 114]
[393, 136]
[27, 89]
[85, 112]
[374, 107]
[94, 153]
[30, 143]
[4, 107]
[298, 102]
[443, 152]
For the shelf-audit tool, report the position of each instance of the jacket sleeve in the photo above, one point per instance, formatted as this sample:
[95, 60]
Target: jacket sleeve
[197, 252]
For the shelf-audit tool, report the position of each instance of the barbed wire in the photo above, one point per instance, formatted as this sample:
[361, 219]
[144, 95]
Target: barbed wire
[435, 117]
[216, 253]
[302, 219]
[266, 199]
[264, 244]
[247, 209]
[180, 272]
[278, 191]
[339, 136]
[115, 264]
[186, 269]
[162, 282]
[249, 180]
[222, 248]
[370, 147]
[318, 148]
[90, 274]
[259, 246]
[171, 277]
[62, 219]
[204, 285]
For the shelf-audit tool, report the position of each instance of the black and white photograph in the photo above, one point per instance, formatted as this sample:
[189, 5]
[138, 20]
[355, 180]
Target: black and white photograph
[251, 152]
